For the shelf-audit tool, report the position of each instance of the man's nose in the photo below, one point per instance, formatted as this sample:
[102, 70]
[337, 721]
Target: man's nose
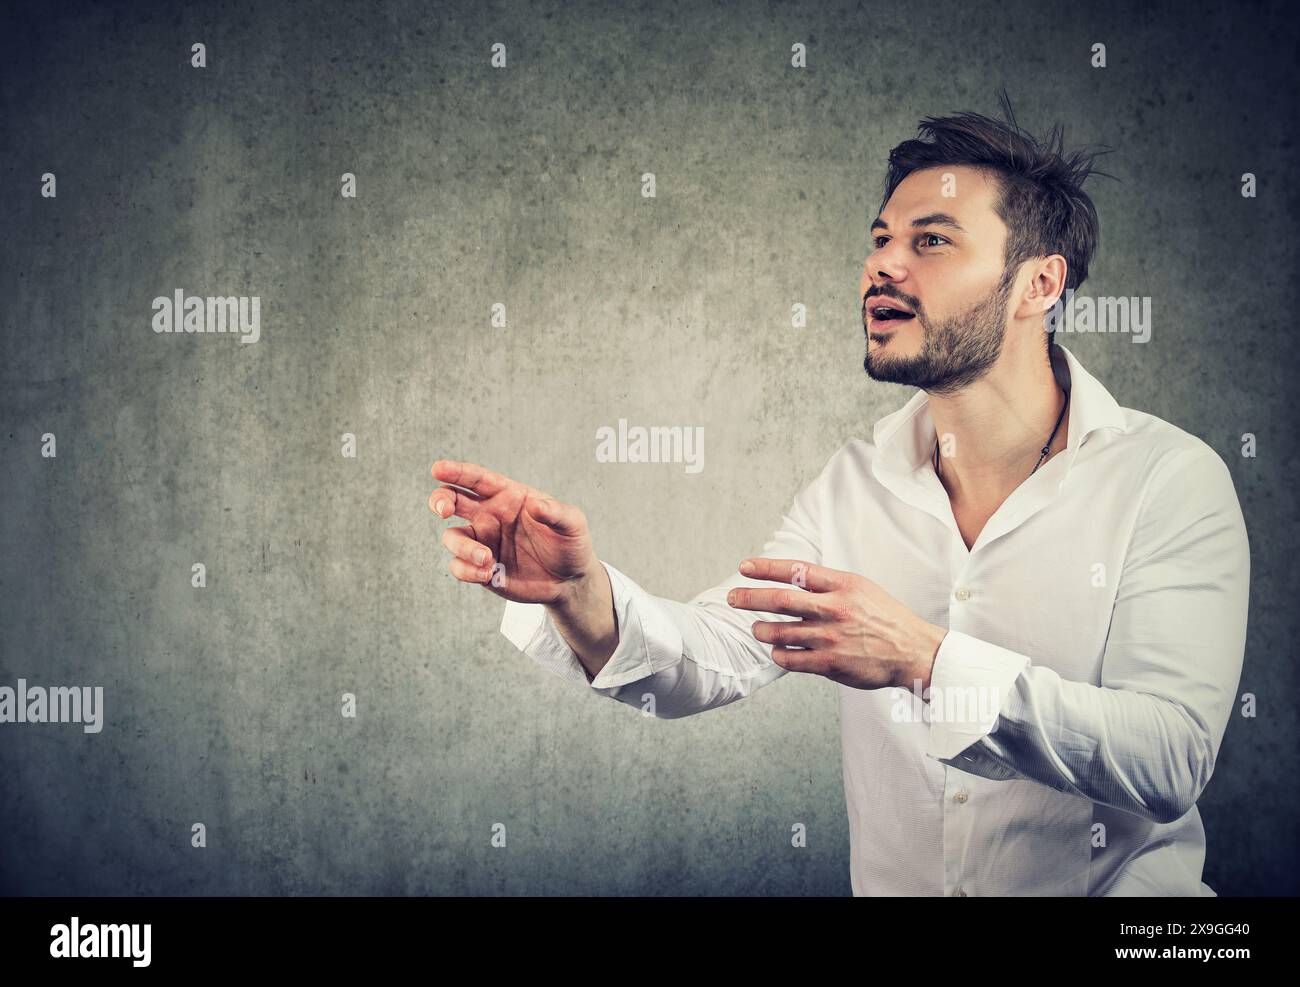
[882, 267]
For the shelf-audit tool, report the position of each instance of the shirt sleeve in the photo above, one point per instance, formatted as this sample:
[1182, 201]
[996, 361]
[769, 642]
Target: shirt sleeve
[674, 659]
[1144, 740]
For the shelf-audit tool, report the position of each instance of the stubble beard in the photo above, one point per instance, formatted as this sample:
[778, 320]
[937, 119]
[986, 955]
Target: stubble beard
[954, 352]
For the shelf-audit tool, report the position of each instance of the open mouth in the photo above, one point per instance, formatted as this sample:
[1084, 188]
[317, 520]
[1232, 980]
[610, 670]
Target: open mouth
[886, 317]
[885, 314]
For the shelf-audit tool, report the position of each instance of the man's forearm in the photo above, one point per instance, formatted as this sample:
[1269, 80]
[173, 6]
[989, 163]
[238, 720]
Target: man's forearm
[692, 656]
[587, 620]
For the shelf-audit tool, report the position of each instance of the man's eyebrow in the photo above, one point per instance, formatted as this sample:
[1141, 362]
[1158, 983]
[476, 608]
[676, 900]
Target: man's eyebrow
[934, 219]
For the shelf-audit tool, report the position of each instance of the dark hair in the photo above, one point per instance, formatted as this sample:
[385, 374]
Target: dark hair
[1041, 199]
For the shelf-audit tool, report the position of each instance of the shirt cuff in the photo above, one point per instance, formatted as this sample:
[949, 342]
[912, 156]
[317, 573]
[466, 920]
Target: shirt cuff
[649, 641]
[969, 685]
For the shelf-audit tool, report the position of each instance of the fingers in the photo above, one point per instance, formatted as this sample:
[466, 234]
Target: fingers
[471, 560]
[792, 633]
[461, 543]
[787, 601]
[449, 502]
[564, 518]
[817, 578]
[467, 573]
[801, 660]
[478, 478]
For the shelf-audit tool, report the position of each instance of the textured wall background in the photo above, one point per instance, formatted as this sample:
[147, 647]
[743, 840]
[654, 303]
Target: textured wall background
[522, 186]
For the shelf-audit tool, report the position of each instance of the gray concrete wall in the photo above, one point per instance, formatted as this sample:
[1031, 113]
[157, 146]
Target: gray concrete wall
[522, 186]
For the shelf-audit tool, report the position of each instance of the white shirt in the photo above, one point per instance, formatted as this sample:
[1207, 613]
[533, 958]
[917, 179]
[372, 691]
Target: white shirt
[1103, 605]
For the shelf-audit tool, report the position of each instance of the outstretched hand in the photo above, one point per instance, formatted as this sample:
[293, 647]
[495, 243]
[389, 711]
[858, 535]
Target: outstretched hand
[520, 542]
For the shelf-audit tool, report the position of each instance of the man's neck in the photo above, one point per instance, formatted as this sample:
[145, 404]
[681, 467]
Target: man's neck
[998, 426]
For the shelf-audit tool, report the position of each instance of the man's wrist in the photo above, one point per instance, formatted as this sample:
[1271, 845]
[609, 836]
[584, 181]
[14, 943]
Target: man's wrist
[586, 618]
[923, 670]
[578, 594]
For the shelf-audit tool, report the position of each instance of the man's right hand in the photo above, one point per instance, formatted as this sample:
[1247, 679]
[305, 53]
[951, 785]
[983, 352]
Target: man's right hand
[526, 546]
[520, 542]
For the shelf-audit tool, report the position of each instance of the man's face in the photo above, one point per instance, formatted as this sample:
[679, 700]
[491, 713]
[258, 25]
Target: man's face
[940, 257]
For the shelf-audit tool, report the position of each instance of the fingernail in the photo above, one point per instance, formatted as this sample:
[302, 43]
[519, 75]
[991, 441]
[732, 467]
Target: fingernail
[747, 567]
[481, 556]
[731, 598]
[438, 506]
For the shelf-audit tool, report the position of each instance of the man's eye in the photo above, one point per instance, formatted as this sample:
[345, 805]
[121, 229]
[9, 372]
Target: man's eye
[922, 240]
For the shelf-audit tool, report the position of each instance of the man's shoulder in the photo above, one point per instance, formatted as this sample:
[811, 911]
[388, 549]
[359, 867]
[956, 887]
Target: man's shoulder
[853, 457]
[1170, 461]
[844, 471]
[853, 450]
[1160, 445]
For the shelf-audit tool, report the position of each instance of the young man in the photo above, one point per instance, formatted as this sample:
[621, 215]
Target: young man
[1033, 600]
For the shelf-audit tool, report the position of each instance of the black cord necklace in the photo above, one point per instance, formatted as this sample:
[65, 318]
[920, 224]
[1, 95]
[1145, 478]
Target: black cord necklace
[1042, 454]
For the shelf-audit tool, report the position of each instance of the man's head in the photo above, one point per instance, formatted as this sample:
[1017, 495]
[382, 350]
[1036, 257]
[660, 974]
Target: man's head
[980, 230]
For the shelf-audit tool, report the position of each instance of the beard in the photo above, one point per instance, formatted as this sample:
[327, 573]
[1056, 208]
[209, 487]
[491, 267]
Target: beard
[954, 352]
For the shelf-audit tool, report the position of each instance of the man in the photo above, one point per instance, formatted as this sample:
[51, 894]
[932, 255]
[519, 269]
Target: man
[1033, 600]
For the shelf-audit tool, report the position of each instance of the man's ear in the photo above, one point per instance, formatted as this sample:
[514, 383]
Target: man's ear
[1046, 285]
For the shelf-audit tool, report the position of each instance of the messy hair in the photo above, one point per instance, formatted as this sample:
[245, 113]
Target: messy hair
[1041, 198]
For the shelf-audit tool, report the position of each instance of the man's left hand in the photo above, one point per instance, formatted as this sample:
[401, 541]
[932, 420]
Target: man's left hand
[851, 630]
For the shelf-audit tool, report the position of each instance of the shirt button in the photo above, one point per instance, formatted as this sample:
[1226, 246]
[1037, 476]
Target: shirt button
[962, 593]
[960, 796]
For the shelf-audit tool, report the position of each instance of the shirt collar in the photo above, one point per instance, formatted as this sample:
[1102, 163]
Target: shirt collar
[905, 439]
